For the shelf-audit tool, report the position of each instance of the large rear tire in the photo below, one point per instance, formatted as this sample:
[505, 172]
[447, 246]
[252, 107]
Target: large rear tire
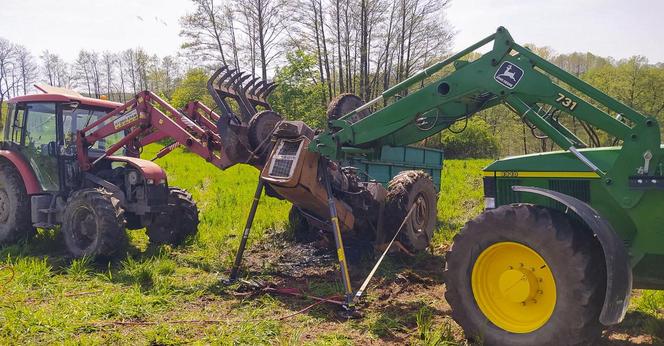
[179, 222]
[93, 224]
[526, 275]
[344, 104]
[406, 189]
[15, 223]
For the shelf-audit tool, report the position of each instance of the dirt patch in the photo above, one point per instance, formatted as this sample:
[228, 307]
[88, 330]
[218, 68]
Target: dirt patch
[403, 288]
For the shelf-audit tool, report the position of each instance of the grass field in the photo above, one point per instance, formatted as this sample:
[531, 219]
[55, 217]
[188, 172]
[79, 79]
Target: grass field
[172, 295]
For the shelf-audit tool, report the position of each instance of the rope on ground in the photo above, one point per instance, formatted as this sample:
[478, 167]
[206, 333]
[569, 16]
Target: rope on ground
[285, 291]
[148, 323]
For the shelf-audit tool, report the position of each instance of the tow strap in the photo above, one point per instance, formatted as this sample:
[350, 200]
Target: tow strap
[359, 292]
[333, 299]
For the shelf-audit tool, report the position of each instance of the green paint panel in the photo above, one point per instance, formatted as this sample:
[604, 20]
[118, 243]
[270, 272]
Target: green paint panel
[393, 160]
[641, 227]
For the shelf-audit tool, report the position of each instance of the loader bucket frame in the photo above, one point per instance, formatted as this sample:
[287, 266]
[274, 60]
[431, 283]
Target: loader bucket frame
[249, 92]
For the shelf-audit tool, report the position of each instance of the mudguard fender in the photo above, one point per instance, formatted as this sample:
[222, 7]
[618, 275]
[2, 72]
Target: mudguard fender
[618, 268]
[29, 178]
[149, 169]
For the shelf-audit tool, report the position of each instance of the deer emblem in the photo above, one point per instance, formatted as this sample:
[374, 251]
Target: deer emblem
[508, 73]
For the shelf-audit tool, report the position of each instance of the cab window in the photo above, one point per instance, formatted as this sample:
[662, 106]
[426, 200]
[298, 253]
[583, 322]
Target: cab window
[37, 126]
[78, 118]
[14, 133]
[40, 127]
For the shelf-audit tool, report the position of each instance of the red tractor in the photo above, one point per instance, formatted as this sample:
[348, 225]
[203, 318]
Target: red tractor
[58, 162]
[57, 168]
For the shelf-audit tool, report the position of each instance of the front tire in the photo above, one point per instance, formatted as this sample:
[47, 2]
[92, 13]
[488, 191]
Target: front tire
[93, 224]
[406, 189]
[178, 222]
[526, 275]
[15, 223]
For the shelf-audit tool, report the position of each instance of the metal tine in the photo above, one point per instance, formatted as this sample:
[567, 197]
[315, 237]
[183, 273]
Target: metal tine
[250, 85]
[261, 90]
[221, 82]
[258, 86]
[227, 81]
[268, 89]
[242, 97]
[234, 77]
[224, 71]
[240, 82]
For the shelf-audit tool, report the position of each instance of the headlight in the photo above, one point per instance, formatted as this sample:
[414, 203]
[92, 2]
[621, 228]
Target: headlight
[489, 203]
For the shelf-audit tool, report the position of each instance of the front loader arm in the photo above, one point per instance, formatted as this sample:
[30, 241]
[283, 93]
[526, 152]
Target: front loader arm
[146, 123]
[527, 84]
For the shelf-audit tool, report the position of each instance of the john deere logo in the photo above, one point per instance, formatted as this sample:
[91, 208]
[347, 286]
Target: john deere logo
[508, 75]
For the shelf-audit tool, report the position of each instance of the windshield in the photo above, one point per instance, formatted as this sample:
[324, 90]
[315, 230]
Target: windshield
[79, 118]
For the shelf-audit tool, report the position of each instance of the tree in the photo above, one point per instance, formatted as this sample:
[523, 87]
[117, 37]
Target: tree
[84, 71]
[108, 61]
[298, 95]
[7, 65]
[128, 59]
[25, 63]
[473, 141]
[192, 87]
[171, 72]
[267, 19]
[204, 31]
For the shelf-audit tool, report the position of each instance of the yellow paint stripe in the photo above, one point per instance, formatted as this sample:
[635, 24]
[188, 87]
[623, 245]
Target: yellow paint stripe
[525, 174]
[341, 255]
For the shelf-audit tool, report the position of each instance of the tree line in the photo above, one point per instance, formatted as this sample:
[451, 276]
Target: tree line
[633, 81]
[360, 46]
[316, 50]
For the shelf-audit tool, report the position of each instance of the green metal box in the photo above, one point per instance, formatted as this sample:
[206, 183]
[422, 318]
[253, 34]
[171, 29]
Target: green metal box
[396, 159]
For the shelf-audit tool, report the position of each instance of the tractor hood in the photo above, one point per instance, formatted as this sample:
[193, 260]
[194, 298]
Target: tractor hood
[556, 161]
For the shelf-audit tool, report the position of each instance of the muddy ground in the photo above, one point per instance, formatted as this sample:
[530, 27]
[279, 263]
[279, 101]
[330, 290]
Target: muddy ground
[403, 287]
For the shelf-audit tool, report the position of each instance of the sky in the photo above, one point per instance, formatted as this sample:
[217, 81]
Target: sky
[616, 28]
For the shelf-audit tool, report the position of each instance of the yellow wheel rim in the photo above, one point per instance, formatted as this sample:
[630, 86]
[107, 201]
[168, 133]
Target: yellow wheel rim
[514, 287]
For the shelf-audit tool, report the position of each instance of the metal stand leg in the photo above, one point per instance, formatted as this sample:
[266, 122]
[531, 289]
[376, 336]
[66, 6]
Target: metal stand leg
[245, 234]
[334, 220]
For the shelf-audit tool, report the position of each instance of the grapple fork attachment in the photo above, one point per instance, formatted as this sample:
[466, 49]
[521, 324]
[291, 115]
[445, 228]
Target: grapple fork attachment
[235, 129]
[250, 93]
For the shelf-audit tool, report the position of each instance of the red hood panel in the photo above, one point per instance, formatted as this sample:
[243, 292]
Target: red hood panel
[150, 169]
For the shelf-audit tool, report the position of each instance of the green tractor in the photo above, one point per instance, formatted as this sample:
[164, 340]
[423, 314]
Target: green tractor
[565, 235]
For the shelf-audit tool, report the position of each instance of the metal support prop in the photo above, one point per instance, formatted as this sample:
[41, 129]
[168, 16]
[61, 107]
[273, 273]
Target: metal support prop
[245, 234]
[334, 220]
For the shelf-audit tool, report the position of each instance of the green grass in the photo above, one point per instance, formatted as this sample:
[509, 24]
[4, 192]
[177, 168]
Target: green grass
[167, 295]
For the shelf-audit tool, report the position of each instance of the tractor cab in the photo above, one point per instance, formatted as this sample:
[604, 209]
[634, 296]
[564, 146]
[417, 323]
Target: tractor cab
[43, 127]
